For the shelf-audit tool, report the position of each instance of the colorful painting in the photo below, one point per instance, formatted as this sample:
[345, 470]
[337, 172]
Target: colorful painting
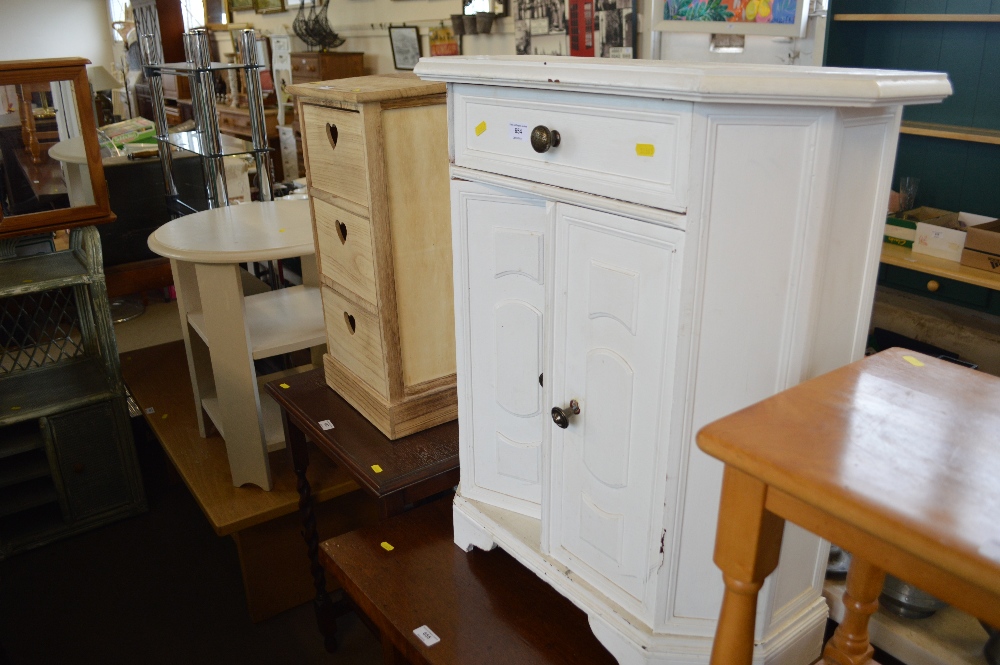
[776, 17]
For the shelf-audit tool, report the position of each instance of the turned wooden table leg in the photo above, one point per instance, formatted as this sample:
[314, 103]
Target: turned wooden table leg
[849, 644]
[326, 614]
[747, 546]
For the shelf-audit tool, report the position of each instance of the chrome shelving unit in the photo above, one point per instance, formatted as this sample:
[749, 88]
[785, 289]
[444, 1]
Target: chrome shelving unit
[206, 140]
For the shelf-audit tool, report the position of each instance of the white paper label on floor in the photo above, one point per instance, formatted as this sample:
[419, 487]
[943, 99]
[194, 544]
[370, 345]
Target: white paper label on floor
[326, 424]
[150, 410]
[518, 132]
[427, 636]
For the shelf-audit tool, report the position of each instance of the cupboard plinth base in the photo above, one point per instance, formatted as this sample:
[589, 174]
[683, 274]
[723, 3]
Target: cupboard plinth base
[412, 413]
[798, 640]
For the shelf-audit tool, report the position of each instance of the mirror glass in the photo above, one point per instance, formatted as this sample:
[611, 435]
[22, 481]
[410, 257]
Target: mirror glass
[44, 162]
[216, 13]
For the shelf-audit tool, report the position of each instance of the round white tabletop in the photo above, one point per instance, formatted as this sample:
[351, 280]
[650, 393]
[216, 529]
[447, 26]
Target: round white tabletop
[238, 233]
[69, 150]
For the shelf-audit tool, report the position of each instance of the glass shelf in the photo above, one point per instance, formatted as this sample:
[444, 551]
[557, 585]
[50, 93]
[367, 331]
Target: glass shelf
[191, 141]
[191, 68]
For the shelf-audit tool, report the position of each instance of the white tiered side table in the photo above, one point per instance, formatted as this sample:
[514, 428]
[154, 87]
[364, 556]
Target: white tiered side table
[225, 331]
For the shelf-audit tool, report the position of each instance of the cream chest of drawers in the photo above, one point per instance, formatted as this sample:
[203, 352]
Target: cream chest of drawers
[377, 166]
[641, 248]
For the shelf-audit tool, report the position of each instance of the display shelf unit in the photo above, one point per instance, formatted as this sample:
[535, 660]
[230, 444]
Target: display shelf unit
[206, 139]
[67, 462]
[954, 147]
[920, 18]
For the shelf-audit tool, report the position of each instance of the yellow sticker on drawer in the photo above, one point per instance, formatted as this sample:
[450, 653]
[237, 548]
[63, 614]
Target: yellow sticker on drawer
[645, 149]
[387, 547]
[480, 128]
[376, 468]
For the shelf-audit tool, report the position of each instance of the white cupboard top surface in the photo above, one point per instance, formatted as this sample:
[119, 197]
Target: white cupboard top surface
[709, 82]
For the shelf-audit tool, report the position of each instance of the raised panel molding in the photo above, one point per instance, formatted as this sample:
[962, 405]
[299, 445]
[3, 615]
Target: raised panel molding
[518, 252]
[519, 460]
[607, 419]
[614, 293]
[604, 531]
[518, 331]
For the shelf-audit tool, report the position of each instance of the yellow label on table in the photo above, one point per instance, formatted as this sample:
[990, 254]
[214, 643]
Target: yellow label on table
[387, 547]
[480, 128]
[15, 408]
[284, 385]
[913, 361]
[163, 417]
[281, 230]
[645, 149]
[376, 468]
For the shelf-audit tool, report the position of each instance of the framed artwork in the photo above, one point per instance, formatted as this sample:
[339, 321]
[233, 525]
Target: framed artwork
[240, 5]
[405, 46]
[269, 6]
[785, 18]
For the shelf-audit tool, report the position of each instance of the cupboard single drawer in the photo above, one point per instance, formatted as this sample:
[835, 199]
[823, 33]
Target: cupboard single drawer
[630, 149]
[345, 249]
[937, 288]
[305, 68]
[335, 143]
[354, 339]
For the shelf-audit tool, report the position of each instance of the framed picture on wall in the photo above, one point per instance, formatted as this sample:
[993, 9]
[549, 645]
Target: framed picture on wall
[784, 18]
[240, 5]
[269, 6]
[405, 46]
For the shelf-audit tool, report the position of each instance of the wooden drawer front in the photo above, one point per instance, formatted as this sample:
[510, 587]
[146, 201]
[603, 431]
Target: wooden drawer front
[340, 167]
[345, 249]
[305, 68]
[938, 288]
[353, 338]
[341, 66]
[629, 149]
[234, 123]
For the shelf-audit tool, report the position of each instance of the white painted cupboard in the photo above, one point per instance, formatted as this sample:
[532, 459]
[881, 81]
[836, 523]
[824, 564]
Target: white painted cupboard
[639, 249]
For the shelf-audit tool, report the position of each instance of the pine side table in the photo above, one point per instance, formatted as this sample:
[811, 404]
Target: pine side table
[895, 458]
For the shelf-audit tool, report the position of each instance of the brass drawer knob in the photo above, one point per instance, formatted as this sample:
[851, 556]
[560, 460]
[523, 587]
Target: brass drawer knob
[543, 139]
[561, 416]
[933, 285]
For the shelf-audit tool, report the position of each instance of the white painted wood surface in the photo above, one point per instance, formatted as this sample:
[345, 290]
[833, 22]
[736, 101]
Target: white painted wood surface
[753, 270]
[225, 329]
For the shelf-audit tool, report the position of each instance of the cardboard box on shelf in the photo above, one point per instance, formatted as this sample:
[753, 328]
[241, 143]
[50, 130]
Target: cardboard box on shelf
[982, 247]
[900, 232]
[938, 232]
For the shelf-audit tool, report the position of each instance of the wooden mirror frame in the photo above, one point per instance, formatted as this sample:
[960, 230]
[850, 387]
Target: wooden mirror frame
[17, 72]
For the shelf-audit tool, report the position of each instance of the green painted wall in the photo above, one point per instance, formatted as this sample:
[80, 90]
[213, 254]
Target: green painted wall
[954, 175]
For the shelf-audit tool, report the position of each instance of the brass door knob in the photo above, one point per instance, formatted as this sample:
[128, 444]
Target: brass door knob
[543, 139]
[561, 416]
[933, 285]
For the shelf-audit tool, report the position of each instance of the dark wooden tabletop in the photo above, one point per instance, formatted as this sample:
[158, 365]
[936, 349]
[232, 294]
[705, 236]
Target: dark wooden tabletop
[380, 465]
[484, 606]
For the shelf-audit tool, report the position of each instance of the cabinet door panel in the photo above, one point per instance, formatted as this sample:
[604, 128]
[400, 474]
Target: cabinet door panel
[501, 238]
[616, 320]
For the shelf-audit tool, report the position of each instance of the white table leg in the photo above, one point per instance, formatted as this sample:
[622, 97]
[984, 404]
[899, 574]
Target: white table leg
[235, 379]
[199, 362]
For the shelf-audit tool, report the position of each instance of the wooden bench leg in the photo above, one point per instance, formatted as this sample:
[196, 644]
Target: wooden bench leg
[849, 644]
[747, 547]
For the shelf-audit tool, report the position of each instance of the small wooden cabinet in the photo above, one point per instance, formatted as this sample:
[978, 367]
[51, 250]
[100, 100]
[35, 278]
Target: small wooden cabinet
[308, 67]
[376, 153]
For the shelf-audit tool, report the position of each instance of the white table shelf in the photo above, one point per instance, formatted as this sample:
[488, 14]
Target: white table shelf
[225, 330]
[279, 321]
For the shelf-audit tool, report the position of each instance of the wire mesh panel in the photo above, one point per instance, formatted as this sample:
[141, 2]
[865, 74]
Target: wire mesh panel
[38, 329]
